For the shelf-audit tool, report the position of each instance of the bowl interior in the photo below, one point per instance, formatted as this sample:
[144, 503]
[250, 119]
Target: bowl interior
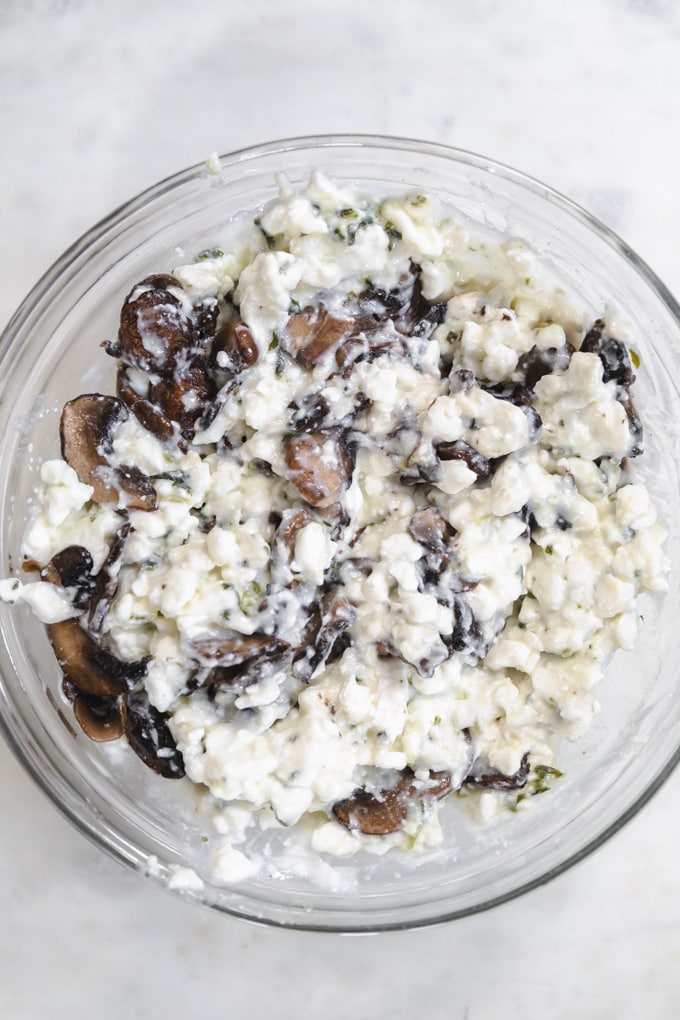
[51, 352]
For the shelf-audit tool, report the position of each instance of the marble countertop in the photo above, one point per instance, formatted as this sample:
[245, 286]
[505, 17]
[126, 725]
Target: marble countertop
[97, 101]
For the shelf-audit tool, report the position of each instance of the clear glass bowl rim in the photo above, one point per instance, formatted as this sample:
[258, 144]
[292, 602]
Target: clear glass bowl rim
[11, 723]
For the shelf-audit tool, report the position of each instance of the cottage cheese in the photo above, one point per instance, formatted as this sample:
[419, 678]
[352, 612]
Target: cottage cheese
[474, 636]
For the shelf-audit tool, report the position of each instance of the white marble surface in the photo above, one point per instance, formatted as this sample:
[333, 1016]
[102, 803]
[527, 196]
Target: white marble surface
[97, 101]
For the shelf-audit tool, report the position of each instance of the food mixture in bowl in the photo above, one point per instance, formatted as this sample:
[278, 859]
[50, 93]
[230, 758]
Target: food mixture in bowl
[358, 533]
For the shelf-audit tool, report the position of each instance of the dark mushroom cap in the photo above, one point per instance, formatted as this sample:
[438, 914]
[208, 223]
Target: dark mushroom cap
[540, 361]
[182, 397]
[329, 621]
[105, 584]
[379, 814]
[312, 332]
[154, 329]
[72, 568]
[491, 779]
[101, 719]
[319, 465]
[236, 342]
[233, 649]
[86, 430]
[147, 414]
[460, 450]
[88, 667]
[150, 738]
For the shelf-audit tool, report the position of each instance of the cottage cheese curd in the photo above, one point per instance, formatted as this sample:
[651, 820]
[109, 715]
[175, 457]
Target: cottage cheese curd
[388, 534]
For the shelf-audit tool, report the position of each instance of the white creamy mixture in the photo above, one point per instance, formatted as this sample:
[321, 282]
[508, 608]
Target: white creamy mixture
[409, 491]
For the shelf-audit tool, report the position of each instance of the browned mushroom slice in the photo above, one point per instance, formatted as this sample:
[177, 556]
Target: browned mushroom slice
[101, 719]
[239, 677]
[87, 666]
[233, 649]
[215, 406]
[205, 313]
[366, 346]
[424, 666]
[147, 414]
[292, 522]
[430, 529]
[460, 450]
[72, 568]
[156, 281]
[182, 398]
[236, 344]
[611, 352]
[335, 615]
[319, 465]
[309, 413]
[616, 365]
[466, 636]
[491, 779]
[312, 332]
[540, 361]
[154, 329]
[400, 303]
[106, 581]
[150, 737]
[86, 430]
[385, 812]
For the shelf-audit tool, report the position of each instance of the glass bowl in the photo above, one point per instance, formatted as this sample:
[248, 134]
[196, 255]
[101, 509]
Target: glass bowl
[50, 353]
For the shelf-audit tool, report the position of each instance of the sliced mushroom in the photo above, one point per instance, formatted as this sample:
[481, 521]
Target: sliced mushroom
[399, 304]
[101, 719]
[215, 406]
[240, 677]
[72, 568]
[182, 397]
[540, 361]
[106, 581]
[482, 776]
[319, 465]
[87, 666]
[434, 533]
[616, 365]
[233, 649]
[312, 332]
[425, 665]
[86, 429]
[385, 812]
[430, 529]
[154, 328]
[612, 353]
[150, 738]
[292, 522]
[147, 414]
[236, 345]
[334, 616]
[205, 313]
[466, 636]
[367, 345]
[460, 450]
[428, 317]
[310, 413]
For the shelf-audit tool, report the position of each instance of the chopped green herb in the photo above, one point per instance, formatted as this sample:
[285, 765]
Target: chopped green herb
[634, 357]
[209, 253]
[249, 598]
